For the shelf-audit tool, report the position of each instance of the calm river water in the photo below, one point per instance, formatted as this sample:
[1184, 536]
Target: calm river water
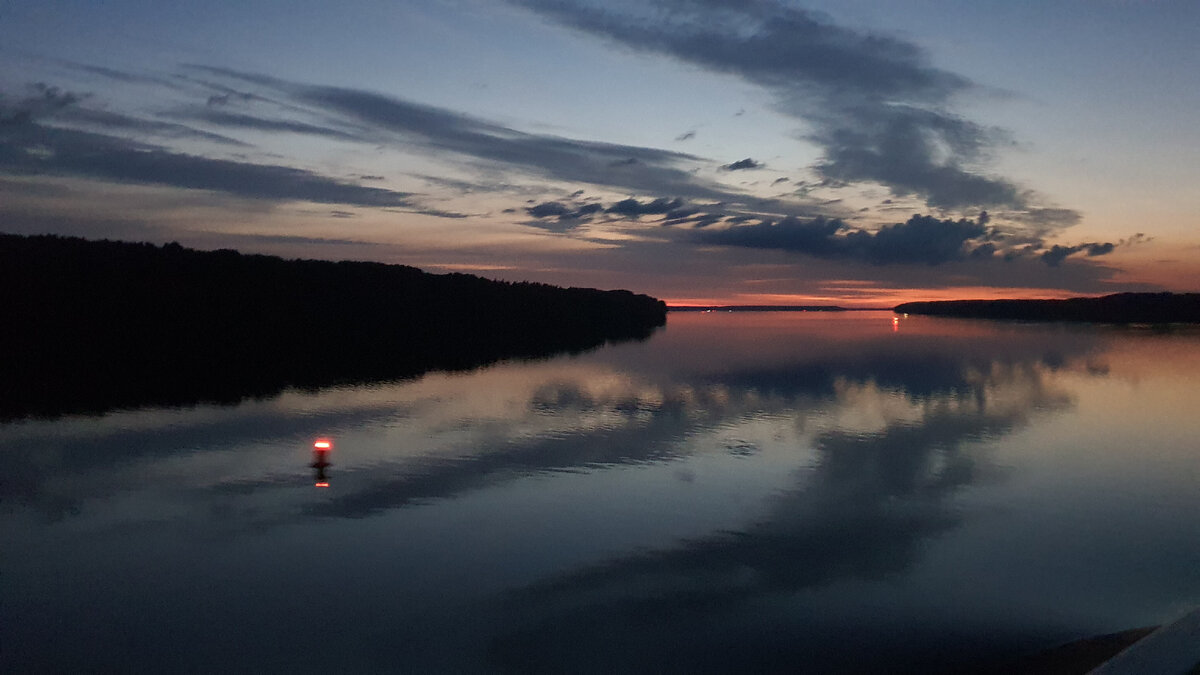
[740, 492]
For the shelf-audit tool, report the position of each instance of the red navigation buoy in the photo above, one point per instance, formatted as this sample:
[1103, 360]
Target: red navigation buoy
[321, 450]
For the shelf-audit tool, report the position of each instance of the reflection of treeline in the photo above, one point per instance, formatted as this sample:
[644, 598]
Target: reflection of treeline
[1117, 308]
[92, 325]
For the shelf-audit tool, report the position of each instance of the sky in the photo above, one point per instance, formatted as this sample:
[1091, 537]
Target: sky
[859, 153]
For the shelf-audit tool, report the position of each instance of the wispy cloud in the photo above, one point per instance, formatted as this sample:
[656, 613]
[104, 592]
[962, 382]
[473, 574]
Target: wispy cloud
[921, 239]
[873, 103]
[29, 146]
[636, 168]
[216, 116]
[747, 163]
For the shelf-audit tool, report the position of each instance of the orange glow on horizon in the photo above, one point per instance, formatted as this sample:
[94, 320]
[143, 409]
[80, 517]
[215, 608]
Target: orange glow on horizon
[864, 296]
[323, 444]
[322, 484]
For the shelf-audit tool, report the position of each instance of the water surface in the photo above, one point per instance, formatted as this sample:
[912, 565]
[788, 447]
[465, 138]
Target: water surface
[742, 491]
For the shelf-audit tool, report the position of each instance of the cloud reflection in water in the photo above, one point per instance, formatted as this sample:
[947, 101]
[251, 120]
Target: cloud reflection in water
[705, 487]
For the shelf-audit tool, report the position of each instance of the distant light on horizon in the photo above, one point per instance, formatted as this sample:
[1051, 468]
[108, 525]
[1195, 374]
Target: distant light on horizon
[323, 444]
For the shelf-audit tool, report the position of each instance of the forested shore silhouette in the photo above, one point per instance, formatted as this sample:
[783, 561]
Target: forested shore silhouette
[96, 325]
[1152, 308]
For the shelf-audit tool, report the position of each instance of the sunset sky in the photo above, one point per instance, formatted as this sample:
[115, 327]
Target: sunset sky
[846, 152]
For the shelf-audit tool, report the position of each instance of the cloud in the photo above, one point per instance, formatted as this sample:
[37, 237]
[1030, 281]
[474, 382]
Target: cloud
[122, 75]
[674, 211]
[1056, 254]
[438, 130]
[566, 216]
[548, 209]
[747, 163]
[562, 211]
[899, 146]
[921, 239]
[211, 115]
[51, 104]
[103, 119]
[27, 147]
[686, 136]
[555, 157]
[44, 100]
[633, 208]
[436, 213]
[872, 102]
[864, 508]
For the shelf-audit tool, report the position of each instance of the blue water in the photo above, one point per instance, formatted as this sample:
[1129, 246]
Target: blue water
[746, 491]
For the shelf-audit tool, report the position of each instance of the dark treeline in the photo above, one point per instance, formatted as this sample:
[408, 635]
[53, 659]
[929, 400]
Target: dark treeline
[1118, 308]
[93, 325]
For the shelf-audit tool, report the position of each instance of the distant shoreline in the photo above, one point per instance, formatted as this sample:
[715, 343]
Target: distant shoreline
[772, 308]
[1119, 308]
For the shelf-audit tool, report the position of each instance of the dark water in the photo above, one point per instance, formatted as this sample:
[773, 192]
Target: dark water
[741, 492]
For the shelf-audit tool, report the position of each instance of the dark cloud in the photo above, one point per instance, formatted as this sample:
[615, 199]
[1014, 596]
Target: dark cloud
[57, 106]
[1136, 239]
[44, 100]
[211, 115]
[871, 101]
[1044, 219]
[747, 163]
[437, 131]
[123, 76]
[686, 136]
[675, 211]
[436, 213]
[31, 148]
[984, 251]
[548, 210]
[900, 147]
[777, 181]
[226, 95]
[921, 239]
[1056, 254]
[103, 119]
[633, 208]
[566, 216]
[629, 167]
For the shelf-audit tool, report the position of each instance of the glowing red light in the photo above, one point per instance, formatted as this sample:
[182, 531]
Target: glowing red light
[322, 484]
[323, 444]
